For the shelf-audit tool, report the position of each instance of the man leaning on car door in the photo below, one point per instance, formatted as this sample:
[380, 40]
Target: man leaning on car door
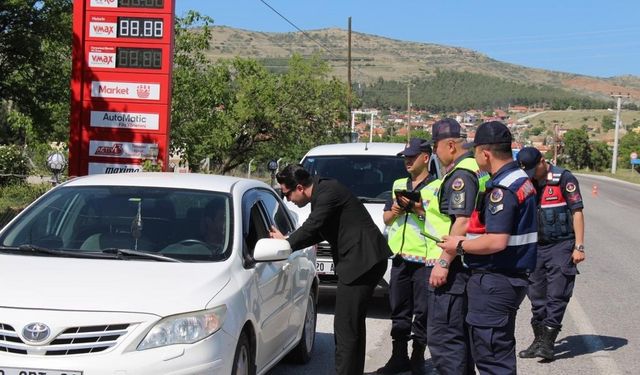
[358, 249]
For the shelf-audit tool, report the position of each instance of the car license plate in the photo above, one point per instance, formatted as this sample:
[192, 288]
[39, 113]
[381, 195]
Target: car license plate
[323, 268]
[34, 371]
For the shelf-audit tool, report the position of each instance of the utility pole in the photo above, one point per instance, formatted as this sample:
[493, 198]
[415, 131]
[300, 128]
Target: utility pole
[408, 112]
[349, 67]
[555, 144]
[614, 159]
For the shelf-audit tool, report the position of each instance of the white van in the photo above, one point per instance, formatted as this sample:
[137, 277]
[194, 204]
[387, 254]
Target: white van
[368, 170]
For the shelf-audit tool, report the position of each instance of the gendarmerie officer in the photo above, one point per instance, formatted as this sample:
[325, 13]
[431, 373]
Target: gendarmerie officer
[409, 272]
[500, 251]
[560, 249]
[456, 197]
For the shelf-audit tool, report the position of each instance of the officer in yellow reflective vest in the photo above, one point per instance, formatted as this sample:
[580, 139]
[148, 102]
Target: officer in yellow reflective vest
[449, 203]
[408, 285]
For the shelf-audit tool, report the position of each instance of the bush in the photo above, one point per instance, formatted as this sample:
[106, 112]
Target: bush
[19, 195]
[13, 165]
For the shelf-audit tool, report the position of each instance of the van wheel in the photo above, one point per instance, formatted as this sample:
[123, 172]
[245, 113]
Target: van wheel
[302, 352]
[242, 361]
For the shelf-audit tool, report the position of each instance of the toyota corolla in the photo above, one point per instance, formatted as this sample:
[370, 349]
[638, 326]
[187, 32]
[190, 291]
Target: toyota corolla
[154, 273]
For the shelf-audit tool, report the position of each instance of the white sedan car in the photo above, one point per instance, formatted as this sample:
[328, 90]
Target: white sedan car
[153, 273]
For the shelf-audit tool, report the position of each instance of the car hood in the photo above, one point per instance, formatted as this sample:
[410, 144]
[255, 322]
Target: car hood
[160, 288]
[375, 211]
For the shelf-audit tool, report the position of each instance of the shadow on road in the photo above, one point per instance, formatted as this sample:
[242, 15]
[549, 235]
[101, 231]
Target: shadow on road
[322, 358]
[576, 345]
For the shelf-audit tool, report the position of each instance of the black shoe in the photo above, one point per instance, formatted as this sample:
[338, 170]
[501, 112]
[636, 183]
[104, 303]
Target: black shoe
[399, 361]
[545, 350]
[530, 352]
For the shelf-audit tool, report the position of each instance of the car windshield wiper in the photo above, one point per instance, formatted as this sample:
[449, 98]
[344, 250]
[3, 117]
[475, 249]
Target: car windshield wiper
[120, 252]
[372, 200]
[47, 251]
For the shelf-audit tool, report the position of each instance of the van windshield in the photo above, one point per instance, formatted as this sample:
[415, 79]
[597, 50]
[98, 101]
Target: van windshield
[369, 177]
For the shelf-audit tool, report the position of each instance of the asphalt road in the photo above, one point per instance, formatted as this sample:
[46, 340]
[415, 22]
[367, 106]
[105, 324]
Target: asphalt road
[600, 333]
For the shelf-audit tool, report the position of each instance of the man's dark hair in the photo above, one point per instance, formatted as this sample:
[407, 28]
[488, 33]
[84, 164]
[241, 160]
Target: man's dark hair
[293, 175]
[499, 150]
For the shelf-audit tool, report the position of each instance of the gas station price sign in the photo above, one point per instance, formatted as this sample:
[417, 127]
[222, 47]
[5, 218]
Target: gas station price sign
[159, 4]
[121, 84]
[132, 5]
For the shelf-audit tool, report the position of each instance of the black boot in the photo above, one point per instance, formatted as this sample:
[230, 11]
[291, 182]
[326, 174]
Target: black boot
[530, 352]
[545, 350]
[399, 361]
[417, 359]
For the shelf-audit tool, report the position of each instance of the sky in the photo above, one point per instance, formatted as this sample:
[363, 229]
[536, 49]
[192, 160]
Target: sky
[594, 38]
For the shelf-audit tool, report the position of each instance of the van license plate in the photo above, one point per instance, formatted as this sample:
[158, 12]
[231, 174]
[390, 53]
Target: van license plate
[323, 268]
[34, 371]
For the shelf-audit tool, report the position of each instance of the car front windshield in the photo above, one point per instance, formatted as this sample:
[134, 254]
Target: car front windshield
[369, 177]
[187, 225]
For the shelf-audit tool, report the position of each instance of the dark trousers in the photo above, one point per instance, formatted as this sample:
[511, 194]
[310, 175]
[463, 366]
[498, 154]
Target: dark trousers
[349, 327]
[552, 283]
[493, 300]
[448, 334]
[408, 300]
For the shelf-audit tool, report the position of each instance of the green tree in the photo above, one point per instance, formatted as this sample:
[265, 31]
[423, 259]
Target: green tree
[236, 110]
[608, 123]
[34, 69]
[629, 143]
[576, 148]
[600, 157]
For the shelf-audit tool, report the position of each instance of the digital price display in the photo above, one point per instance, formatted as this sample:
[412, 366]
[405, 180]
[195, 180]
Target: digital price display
[122, 59]
[157, 4]
[138, 27]
[141, 58]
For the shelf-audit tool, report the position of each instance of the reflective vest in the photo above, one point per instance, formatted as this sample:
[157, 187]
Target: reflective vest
[435, 222]
[470, 165]
[520, 253]
[404, 233]
[554, 216]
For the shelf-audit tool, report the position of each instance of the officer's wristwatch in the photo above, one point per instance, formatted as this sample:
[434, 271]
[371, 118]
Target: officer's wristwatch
[459, 248]
[443, 263]
[580, 248]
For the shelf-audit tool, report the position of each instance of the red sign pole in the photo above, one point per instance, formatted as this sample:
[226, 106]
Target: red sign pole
[121, 85]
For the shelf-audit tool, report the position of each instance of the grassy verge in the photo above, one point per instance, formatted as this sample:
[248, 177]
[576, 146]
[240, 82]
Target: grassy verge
[621, 174]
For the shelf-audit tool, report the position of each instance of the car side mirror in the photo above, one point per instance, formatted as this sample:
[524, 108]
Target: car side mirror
[271, 250]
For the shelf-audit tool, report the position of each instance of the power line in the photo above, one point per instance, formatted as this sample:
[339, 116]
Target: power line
[304, 32]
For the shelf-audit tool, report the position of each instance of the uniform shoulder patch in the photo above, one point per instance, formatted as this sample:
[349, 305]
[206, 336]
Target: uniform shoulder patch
[496, 196]
[457, 184]
[571, 187]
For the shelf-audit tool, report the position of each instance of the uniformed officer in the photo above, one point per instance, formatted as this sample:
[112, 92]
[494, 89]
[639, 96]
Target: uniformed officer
[448, 338]
[404, 215]
[499, 249]
[560, 249]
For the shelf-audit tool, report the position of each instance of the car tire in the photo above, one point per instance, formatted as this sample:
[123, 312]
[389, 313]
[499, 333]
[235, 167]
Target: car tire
[242, 359]
[301, 354]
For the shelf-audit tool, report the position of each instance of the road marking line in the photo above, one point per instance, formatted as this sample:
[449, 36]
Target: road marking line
[602, 359]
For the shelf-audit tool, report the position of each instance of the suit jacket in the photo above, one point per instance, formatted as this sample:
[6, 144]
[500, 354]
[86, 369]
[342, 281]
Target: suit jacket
[338, 217]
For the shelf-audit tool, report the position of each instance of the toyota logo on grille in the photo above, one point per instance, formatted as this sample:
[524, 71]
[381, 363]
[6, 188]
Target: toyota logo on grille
[36, 332]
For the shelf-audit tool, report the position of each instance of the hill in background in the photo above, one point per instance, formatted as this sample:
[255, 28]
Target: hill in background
[375, 57]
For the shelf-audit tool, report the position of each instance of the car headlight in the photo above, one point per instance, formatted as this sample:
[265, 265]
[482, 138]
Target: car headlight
[185, 328]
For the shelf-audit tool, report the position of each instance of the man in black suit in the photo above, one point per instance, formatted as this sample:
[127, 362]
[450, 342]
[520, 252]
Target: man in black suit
[358, 248]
